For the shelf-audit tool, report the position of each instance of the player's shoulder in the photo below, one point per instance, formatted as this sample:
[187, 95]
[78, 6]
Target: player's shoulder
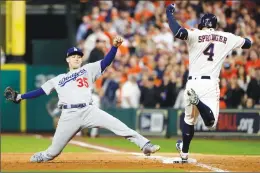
[192, 33]
[58, 77]
[61, 75]
[192, 29]
[91, 65]
[224, 33]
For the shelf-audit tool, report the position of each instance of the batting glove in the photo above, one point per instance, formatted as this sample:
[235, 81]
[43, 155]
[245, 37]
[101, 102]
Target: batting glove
[171, 8]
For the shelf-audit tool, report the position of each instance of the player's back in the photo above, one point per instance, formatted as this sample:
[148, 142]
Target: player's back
[208, 49]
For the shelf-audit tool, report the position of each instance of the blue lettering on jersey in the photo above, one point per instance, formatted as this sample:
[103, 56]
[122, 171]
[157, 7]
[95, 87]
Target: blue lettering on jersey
[72, 77]
[213, 37]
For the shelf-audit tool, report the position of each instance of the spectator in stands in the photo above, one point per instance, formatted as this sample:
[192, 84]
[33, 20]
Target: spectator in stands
[161, 65]
[253, 90]
[150, 49]
[133, 65]
[228, 71]
[130, 93]
[179, 103]
[223, 90]
[242, 78]
[249, 103]
[234, 94]
[193, 21]
[144, 9]
[149, 97]
[82, 30]
[167, 93]
[125, 25]
[109, 87]
[98, 52]
[165, 37]
[254, 60]
[96, 33]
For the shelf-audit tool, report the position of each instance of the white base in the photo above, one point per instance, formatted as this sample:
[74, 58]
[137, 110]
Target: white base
[177, 160]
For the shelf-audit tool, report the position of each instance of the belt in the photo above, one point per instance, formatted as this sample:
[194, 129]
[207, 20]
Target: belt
[200, 77]
[81, 105]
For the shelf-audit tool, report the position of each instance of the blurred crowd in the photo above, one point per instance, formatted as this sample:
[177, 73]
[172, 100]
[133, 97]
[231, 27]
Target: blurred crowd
[151, 67]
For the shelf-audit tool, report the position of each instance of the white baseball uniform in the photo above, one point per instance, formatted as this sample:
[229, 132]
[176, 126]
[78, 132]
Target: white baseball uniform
[75, 87]
[207, 51]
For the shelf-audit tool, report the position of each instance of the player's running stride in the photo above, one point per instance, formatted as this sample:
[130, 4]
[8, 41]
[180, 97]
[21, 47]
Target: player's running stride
[74, 91]
[208, 49]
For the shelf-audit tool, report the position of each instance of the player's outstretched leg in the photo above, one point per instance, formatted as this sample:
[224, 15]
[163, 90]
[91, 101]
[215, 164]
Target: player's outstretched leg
[67, 127]
[99, 118]
[205, 112]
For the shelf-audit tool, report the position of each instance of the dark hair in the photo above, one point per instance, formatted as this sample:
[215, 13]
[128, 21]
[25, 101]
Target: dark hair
[244, 74]
[150, 78]
[249, 57]
[234, 53]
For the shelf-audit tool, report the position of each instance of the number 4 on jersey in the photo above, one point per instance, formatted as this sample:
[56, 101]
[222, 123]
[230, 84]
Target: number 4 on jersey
[209, 51]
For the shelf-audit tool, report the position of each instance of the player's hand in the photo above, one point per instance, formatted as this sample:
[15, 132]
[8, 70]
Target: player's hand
[171, 8]
[117, 41]
[11, 95]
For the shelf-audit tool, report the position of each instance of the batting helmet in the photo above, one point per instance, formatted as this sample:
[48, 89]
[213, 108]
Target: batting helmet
[208, 20]
[74, 51]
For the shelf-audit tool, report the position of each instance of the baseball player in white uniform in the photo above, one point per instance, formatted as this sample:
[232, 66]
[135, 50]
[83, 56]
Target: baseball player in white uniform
[74, 91]
[208, 49]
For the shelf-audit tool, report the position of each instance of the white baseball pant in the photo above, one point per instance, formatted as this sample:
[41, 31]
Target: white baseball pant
[73, 120]
[208, 92]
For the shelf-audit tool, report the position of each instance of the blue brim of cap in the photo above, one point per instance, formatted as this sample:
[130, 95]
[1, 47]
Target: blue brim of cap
[75, 53]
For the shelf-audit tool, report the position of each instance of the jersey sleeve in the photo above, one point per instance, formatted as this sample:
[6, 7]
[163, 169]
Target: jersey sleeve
[191, 36]
[48, 86]
[94, 69]
[237, 41]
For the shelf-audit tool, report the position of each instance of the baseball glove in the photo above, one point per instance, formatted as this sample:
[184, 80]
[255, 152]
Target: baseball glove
[11, 95]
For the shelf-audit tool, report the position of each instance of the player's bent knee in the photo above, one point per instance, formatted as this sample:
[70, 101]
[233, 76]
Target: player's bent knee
[189, 121]
[211, 123]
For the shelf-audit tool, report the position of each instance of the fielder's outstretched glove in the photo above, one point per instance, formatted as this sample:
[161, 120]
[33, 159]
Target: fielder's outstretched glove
[11, 95]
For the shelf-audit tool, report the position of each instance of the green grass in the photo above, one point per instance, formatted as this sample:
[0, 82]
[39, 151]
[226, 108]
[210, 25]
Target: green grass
[31, 144]
[109, 170]
[204, 146]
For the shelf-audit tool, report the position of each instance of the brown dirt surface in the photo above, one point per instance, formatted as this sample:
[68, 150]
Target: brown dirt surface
[108, 161]
[237, 163]
[232, 163]
[92, 161]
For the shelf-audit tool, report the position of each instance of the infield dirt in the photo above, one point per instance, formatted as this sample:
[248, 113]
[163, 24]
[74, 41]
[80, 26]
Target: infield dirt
[107, 161]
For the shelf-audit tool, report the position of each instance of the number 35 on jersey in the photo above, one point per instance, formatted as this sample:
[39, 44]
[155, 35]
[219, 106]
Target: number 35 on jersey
[82, 82]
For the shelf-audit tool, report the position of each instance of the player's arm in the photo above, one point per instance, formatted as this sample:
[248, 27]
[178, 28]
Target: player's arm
[239, 42]
[247, 44]
[15, 97]
[177, 30]
[111, 54]
[97, 68]
[45, 89]
[32, 94]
